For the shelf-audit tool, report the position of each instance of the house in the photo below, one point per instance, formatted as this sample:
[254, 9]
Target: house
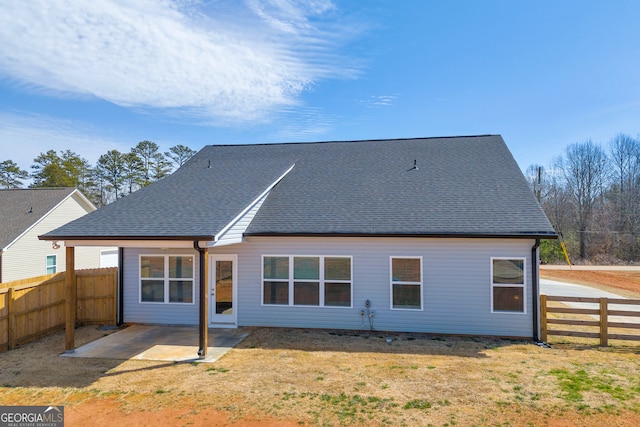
[27, 213]
[436, 235]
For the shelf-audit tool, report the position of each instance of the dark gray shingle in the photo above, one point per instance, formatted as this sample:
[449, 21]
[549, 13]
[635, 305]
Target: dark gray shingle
[21, 208]
[462, 186]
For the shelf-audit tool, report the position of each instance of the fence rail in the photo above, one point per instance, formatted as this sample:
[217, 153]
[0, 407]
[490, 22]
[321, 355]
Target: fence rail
[35, 307]
[602, 324]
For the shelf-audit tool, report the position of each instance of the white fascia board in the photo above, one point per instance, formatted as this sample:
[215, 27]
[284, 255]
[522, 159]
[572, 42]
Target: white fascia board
[225, 242]
[88, 202]
[251, 205]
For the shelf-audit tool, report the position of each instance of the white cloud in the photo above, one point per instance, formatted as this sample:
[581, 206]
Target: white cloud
[379, 100]
[216, 61]
[25, 136]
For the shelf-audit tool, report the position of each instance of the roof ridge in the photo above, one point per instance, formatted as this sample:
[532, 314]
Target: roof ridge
[38, 188]
[353, 140]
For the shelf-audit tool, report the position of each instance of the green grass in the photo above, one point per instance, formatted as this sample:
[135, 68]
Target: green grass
[575, 384]
[417, 404]
[217, 370]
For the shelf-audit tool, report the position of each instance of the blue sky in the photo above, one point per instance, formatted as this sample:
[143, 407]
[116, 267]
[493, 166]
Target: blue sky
[106, 74]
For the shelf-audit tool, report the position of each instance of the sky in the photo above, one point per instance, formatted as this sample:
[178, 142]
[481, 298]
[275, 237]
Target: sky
[106, 74]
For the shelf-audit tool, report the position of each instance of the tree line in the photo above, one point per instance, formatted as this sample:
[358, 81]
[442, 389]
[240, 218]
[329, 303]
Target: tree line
[591, 194]
[115, 174]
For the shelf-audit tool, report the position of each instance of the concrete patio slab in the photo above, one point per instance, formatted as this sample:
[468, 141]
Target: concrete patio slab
[162, 343]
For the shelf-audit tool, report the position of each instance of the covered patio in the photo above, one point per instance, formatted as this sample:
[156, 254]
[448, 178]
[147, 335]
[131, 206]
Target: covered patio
[160, 343]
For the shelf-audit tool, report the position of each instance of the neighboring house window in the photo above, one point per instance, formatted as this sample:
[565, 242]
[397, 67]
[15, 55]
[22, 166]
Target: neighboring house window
[320, 281]
[507, 284]
[51, 264]
[166, 278]
[406, 283]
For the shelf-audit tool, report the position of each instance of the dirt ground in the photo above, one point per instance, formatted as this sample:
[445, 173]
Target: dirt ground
[283, 377]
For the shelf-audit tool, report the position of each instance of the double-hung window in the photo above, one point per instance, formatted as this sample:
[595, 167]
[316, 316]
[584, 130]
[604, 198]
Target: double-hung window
[52, 261]
[166, 278]
[406, 283]
[507, 285]
[314, 281]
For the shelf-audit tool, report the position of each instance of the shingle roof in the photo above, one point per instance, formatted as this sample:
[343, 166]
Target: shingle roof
[462, 186]
[20, 209]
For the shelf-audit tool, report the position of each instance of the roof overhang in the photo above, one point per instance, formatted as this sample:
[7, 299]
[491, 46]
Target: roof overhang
[131, 241]
[417, 235]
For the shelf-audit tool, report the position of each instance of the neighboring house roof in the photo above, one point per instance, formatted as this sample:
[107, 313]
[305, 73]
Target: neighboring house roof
[21, 209]
[461, 186]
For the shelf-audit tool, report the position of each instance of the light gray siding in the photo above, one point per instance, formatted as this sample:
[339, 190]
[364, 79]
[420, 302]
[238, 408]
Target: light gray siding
[456, 286]
[171, 314]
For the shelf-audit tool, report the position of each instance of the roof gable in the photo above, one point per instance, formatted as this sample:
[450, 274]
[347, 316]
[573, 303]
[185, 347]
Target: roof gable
[461, 186]
[196, 202]
[21, 209]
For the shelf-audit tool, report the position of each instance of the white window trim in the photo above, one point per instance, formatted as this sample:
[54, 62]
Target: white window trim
[166, 279]
[392, 282]
[55, 264]
[515, 285]
[321, 281]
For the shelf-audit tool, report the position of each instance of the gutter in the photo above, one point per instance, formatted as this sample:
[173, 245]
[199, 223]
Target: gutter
[535, 289]
[53, 237]
[453, 235]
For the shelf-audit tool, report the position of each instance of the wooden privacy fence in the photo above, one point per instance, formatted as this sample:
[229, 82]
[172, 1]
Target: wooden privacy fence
[35, 307]
[598, 322]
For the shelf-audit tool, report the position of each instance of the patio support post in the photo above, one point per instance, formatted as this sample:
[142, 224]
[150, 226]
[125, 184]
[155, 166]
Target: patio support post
[204, 300]
[70, 303]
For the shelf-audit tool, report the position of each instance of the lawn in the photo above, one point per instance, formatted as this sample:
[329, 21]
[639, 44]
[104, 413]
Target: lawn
[291, 377]
[295, 377]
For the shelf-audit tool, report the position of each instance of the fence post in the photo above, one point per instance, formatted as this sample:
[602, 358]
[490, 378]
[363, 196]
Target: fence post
[12, 320]
[543, 318]
[604, 321]
[114, 300]
[71, 298]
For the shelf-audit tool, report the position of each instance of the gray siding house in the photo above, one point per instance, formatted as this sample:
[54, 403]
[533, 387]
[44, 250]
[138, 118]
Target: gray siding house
[436, 235]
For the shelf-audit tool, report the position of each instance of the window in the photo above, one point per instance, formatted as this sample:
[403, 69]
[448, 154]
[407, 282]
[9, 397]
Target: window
[406, 283]
[507, 284]
[51, 264]
[314, 281]
[166, 278]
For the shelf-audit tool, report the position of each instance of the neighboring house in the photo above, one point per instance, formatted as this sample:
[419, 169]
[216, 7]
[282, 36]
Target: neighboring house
[432, 235]
[27, 213]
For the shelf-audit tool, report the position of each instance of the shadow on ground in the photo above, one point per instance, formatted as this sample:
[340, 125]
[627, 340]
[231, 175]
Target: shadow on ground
[312, 340]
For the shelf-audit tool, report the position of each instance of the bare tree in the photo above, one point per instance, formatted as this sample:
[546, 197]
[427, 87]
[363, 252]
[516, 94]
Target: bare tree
[624, 194]
[585, 171]
[534, 175]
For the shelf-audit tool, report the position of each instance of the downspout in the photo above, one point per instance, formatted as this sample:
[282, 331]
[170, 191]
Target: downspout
[535, 287]
[0, 265]
[202, 322]
[120, 317]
